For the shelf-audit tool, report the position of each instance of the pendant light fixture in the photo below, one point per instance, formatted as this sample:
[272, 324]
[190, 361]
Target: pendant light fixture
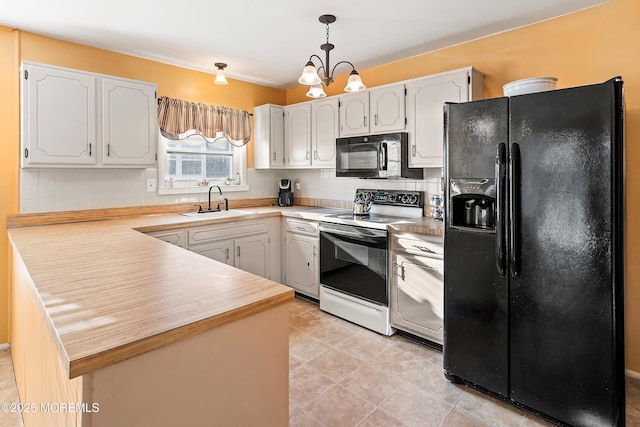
[310, 73]
[221, 79]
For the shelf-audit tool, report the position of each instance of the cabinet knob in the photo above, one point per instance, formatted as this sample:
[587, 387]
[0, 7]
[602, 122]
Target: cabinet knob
[226, 253]
[274, 156]
[365, 120]
[375, 118]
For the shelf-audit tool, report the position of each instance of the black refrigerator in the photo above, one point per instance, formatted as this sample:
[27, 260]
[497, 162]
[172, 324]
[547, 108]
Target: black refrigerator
[534, 251]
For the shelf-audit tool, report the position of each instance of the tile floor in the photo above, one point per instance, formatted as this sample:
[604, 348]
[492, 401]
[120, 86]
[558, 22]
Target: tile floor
[343, 375]
[8, 390]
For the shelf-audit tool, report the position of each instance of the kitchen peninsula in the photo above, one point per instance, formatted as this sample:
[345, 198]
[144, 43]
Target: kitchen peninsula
[136, 331]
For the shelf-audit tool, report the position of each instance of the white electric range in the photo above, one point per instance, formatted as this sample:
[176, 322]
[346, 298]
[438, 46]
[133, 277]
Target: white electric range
[354, 256]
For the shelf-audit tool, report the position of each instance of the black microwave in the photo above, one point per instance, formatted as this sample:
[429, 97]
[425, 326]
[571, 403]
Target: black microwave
[375, 156]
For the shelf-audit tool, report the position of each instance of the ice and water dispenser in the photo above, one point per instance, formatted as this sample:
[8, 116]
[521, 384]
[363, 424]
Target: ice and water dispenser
[472, 204]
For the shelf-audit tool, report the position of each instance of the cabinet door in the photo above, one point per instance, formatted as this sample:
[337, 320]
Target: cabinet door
[301, 268]
[418, 295]
[297, 135]
[252, 254]
[324, 131]
[128, 123]
[354, 114]
[387, 106]
[425, 101]
[58, 117]
[268, 144]
[222, 251]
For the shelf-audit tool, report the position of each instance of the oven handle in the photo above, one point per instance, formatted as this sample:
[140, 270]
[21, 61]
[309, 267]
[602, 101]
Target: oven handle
[351, 231]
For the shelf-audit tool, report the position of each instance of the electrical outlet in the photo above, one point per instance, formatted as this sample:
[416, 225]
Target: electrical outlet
[297, 186]
[151, 185]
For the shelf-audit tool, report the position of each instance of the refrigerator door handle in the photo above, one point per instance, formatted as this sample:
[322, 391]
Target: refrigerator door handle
[514, 210]
[500, 175]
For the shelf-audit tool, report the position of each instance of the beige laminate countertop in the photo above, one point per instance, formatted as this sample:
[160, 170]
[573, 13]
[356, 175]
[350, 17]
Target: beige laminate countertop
[424, 225]
[110, 292]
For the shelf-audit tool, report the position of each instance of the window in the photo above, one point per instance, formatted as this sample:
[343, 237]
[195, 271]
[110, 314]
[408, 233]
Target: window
[184, 164]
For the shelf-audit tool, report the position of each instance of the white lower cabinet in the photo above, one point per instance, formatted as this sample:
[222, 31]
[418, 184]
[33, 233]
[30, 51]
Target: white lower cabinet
[252, 254]
[221, 251]
[301, 256]
[252, 246]
[417, 285]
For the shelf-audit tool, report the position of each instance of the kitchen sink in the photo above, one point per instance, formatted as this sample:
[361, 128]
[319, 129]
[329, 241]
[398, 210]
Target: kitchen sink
[218, 214]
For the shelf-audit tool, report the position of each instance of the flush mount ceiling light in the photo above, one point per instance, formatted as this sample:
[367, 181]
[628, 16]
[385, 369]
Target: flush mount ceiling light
[310, 73]
[220, 77]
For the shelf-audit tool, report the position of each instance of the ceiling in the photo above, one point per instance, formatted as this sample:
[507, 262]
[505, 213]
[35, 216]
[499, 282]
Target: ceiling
[268, 42]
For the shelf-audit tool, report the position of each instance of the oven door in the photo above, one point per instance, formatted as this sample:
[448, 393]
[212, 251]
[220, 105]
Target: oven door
[353, 260]
[360, 159]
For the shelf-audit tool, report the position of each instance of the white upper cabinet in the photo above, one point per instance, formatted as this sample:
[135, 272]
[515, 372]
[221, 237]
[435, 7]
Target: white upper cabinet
[324, 131]
[129, 129]
[354, 114]
[413, 106]
[268, 141]
[425, 114]
[72, 118]
[297, 135]
[58, 117]
[387, 108]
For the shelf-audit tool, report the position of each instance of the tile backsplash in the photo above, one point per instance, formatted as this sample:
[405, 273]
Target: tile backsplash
[48, 190]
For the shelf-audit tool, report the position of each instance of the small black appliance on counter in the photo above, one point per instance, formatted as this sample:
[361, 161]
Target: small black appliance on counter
[285, 194]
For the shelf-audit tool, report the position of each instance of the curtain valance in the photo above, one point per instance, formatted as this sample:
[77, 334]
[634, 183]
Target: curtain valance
[179, 119]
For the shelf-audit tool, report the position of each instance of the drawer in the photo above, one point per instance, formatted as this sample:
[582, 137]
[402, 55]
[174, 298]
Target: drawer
[418, 244]
[300, 226]
[226, 231]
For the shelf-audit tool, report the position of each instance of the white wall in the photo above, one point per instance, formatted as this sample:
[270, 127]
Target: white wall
[48, 190]
[323, 184]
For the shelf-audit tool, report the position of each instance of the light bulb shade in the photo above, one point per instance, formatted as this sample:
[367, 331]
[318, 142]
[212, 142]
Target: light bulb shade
[316, 91]
[309, 75]
[354, 84]
[221, 79]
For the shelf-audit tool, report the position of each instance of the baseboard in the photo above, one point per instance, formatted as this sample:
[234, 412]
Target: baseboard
[633, 374]
[4, 347]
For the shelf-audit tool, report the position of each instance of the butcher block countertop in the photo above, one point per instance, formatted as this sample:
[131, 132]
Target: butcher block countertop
[110, 292]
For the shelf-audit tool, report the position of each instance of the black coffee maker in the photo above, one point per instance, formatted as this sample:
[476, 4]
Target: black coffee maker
[285, 195]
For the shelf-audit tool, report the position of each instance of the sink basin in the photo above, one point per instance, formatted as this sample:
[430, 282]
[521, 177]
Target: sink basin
[218, 214]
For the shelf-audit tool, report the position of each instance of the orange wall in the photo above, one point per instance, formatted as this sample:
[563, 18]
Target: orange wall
[586, 47]
[9, 159]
